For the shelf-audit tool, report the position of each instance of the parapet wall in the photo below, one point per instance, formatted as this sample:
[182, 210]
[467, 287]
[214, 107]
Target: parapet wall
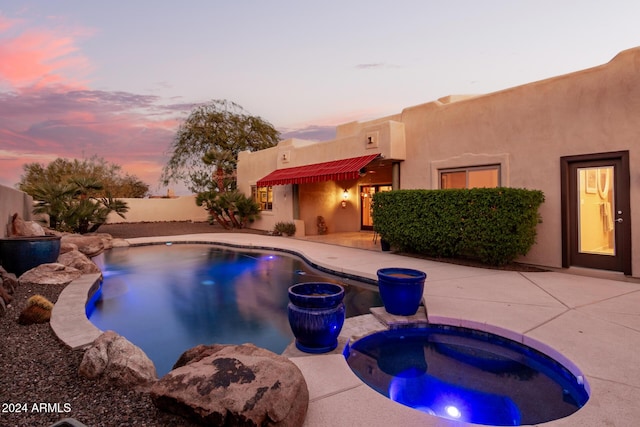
[13, 201]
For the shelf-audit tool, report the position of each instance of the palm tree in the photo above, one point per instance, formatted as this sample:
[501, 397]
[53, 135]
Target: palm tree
[248, 210]
[229, 209]
[210, 201]
[225, 164]
[52, 199]
[71, 207]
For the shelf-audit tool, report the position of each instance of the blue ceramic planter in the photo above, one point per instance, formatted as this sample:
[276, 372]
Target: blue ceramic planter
[316, 315]
[20, 254]
[401, 290]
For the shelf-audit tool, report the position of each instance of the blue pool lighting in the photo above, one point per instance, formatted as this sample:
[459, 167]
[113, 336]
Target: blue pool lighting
[466, 375]
[203, 294]
[453, 412]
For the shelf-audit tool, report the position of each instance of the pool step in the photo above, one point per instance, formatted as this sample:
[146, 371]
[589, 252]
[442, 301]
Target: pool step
[392, 321]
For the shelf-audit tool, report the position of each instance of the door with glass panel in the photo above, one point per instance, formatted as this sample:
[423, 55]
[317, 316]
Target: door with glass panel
[597, 212]
[366, 197]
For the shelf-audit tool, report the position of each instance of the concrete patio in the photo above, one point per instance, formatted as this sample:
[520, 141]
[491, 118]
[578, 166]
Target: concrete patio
[590, 324]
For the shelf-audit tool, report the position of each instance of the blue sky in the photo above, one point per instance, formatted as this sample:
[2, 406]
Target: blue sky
[114, 79]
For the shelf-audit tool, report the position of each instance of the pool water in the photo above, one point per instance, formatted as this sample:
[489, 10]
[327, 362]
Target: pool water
[168, 298]
[466, 375]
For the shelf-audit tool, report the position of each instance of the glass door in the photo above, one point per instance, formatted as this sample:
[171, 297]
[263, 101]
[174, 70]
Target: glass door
[366, 197]
[597, 212]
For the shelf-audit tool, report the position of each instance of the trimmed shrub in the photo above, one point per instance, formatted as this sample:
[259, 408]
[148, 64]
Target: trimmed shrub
[493, 225]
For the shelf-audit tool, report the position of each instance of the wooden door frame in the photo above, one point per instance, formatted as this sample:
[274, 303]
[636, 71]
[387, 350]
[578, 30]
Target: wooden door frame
[624, 203]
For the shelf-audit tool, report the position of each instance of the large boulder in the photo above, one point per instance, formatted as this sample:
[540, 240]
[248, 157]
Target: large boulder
[113, 358]
[8, 284]
[4, 295]
[67, 247]
[18, 227]
[50, 274]
[77, 259]
[224, 385]
[120, 243]
[9, 280]
[89, 244]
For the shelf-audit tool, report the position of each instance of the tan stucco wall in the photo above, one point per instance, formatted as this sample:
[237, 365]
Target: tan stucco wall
[13, 201]
[388, 140]
[253, 167]
[531, 127]
[155, 210]
[324, 199]
[140, 210]
[526, 130]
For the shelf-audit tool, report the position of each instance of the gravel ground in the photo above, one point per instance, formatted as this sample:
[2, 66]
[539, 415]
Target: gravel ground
[39, 381]
[36, 368]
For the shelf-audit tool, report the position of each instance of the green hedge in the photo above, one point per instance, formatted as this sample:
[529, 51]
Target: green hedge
[493, 225]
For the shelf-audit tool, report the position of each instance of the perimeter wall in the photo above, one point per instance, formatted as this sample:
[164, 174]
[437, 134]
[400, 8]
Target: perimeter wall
[166, 209]
[13, 201]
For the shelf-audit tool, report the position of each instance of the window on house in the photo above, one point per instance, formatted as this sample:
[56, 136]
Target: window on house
[471, 177]
[263, 196]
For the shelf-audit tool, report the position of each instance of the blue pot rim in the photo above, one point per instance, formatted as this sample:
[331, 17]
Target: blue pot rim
[30, 238]
[337, 289]
[326, 294]
[413, 274]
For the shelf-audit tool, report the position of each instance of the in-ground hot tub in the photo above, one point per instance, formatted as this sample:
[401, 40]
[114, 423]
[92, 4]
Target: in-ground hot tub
[467, 375]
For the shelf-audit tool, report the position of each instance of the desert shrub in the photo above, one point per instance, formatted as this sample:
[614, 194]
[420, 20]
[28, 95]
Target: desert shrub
[230, 209]
[285, 228]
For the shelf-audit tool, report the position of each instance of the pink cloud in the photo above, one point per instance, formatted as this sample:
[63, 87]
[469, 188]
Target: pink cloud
[48, 110]
[6, 23]
[40, 57]
[131, 130]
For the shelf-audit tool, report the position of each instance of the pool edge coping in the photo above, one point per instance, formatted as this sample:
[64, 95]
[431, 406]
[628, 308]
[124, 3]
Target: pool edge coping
[69, 319]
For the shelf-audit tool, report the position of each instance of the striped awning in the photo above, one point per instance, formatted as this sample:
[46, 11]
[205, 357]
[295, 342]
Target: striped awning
[337, 170]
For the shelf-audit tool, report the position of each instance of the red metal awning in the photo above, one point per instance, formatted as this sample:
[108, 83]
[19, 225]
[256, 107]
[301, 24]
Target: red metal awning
[337, 170]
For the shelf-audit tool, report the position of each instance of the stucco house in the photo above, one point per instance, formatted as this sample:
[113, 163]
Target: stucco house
[576, 137]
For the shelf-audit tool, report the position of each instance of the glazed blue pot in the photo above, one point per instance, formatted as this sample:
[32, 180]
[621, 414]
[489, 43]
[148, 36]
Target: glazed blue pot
[20, 254]
[401, 290]
[316, 315]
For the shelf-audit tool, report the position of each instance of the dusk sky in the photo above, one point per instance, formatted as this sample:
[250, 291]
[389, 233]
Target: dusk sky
[114, 79]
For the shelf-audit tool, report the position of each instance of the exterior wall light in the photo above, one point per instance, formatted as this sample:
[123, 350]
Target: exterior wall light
[345, 197]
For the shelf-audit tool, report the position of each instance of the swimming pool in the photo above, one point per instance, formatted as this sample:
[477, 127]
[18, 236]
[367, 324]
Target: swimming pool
[466, 375]
[168, 298]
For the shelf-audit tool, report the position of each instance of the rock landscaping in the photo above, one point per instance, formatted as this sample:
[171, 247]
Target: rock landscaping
[115, 359]
[228, 385]
[113, 382]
